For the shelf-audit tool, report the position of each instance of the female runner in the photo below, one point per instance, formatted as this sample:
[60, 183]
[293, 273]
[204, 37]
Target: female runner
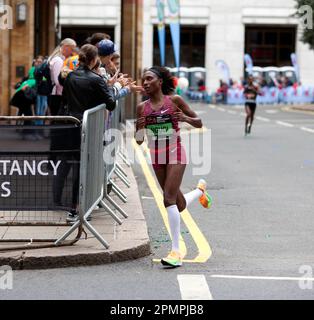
[159, 118]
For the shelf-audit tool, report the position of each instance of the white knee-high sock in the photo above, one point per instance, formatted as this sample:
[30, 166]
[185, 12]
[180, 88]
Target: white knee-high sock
[193, 195]
[174, 222]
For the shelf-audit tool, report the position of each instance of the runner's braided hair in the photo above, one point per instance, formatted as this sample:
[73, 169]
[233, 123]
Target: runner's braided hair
[165, 75]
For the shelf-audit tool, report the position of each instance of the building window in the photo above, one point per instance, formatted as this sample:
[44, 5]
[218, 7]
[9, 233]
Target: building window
[270, 45]
[80, 34]
[192, 47]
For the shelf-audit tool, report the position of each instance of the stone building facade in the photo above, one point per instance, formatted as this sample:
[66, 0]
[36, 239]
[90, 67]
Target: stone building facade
[33, 32]
[211, 30]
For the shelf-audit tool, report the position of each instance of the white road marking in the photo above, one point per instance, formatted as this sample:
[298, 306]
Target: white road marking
[212, 106]
[243, 114]
[271, 111]
[194, 287]
[232, 112]
[263, 278]
[307, 129]
[221, 109]
[263, 119]
[285, 124]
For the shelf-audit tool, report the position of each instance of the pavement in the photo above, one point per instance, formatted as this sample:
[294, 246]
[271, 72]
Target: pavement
[128, 241]
[306, 108]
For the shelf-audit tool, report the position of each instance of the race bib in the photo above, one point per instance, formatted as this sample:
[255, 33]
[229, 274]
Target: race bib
[159, 127]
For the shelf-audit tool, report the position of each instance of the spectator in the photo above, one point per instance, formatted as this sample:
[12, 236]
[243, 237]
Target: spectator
[25, 95]
[116, 60]
[42, 92]
[122, 85]
[96, 38]
[56, 61]
[222, 92]
[24, 99]
[243, 81]
[201, 85]
[83, 89]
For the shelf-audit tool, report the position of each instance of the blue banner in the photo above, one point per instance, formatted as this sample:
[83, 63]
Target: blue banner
[224, 70]
[295, 64]
[249, 64]
[174, 16]
[161, 30]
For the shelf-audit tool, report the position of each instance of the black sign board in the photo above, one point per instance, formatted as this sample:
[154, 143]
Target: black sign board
[39, 167]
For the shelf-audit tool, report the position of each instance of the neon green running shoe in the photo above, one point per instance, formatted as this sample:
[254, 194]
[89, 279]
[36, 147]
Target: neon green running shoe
[205, 199]
[174, 259]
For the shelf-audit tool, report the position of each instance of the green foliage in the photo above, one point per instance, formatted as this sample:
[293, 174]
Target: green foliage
[308, 34]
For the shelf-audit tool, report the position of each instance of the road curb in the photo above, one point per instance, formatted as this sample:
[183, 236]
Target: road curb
[22, 262]
[297, 109]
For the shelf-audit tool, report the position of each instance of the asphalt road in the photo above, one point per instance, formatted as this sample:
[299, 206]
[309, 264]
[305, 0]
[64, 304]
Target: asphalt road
[260, 229]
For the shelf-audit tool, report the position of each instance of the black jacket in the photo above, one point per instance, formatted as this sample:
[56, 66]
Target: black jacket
[85, 89]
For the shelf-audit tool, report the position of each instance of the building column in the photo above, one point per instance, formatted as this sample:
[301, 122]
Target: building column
[17, 49]
[208, 61]
[45, 26]
[17, 46]
[117, 34]
[4, 71]
[148, 35]
[226, 37]
[131, 46]
[21, 51]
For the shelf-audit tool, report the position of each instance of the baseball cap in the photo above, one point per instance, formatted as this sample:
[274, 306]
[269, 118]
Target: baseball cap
[106, 47]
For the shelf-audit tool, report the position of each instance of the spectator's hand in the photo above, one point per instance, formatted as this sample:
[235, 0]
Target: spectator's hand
[65, 72]
[123, 81]
[25, 87]
[135, 89]
[114, 79]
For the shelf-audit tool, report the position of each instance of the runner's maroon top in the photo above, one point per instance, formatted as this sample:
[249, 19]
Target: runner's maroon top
[163, 133]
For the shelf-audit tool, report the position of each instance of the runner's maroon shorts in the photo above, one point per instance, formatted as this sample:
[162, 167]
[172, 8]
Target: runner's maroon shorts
[171, 155]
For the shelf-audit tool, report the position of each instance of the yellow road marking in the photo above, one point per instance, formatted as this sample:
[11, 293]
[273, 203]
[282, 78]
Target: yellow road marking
[204, 250]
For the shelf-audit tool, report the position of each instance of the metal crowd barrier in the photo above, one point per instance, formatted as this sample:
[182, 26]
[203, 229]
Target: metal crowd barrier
[113, 122]
[91, 171]
[37, 200]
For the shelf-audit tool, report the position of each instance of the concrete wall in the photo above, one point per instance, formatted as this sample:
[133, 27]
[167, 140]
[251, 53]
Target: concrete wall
[92, 13]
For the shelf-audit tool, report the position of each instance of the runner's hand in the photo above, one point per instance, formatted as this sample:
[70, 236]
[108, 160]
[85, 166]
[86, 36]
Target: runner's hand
[179, 116]
[140, 123]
